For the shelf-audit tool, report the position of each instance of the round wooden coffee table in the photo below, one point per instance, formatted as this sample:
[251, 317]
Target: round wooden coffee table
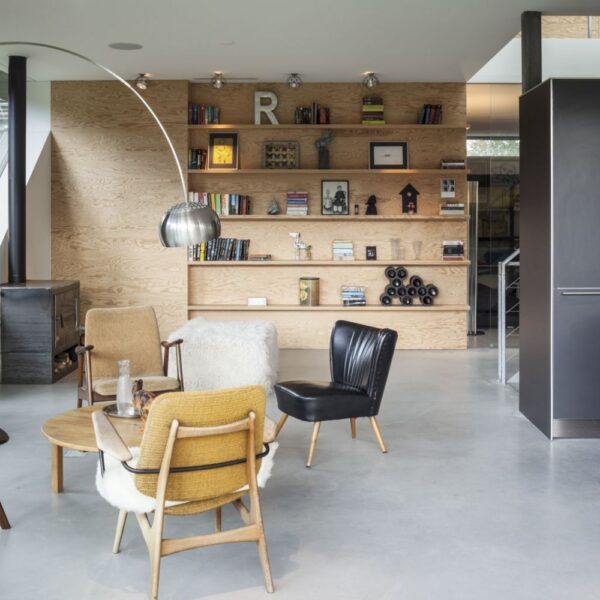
[73, 429]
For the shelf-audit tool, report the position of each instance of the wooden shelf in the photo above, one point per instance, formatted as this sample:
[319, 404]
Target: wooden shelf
[380, 264]
[250, 218]
[327, 171]
[338, 126]
[327, 308]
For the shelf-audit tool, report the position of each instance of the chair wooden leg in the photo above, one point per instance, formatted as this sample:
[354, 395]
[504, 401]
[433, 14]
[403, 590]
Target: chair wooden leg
[280, 424]
[353, 427]
[264, 560]
[4, 524]
[218, 519]
[119, 532]
[375, 427]
[313, 442]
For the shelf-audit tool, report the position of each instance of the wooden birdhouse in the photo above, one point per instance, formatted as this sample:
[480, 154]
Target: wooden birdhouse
[409, 199]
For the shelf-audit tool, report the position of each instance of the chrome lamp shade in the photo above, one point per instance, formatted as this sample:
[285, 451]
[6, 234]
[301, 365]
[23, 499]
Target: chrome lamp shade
[189, 223]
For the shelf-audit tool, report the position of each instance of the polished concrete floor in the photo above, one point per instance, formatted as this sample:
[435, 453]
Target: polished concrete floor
[470, 503]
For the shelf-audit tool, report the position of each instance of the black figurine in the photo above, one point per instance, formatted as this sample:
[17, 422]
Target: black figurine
[409, 199]
[371, 206]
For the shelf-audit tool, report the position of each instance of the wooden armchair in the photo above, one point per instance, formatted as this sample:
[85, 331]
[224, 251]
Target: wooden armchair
[200, 451]
[113, 334]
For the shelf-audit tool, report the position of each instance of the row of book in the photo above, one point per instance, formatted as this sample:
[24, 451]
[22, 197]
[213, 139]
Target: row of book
[353, 295]
[342, 250]
[202, 114]
[431, 114]
[372, 111]
[452, 164]
[197, 158]
[452, 208]
[453, 250]
[311, 115]
[297, 203]
[223, 204]
[219, 249]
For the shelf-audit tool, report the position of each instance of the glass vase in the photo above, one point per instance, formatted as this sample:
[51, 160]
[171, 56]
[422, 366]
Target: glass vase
[124, 393]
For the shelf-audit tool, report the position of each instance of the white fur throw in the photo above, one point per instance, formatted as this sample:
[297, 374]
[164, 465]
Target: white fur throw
[117, 485]
[225, 354]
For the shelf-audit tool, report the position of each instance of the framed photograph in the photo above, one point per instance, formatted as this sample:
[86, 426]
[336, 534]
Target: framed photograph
[447, 188]
[281, 155]
[335, 197]
[371, 253]
[223, 151]
[388, 155]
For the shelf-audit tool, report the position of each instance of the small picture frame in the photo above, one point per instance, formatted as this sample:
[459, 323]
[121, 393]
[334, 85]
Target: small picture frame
[335, 197]
[447, 188]
[223, 151]
[281, 155]
[371, 253]
[388, 155]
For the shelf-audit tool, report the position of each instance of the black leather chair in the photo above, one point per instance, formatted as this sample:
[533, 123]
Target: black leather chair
[360, 359]
[4, 523]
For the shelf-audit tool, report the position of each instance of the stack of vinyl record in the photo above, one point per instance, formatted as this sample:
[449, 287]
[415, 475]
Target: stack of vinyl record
[406, 290]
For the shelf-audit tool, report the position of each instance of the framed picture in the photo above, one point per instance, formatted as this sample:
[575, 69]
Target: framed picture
[223, 151]
[335, 197]
[281, 155]
[388, 155]
[371, 253]
[447, 188]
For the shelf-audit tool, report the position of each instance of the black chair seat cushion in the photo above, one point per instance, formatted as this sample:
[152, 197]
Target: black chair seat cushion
[3, 436]
[322, 401]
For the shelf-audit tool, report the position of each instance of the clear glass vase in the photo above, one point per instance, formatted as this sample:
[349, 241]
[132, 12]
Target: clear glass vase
[124, 393]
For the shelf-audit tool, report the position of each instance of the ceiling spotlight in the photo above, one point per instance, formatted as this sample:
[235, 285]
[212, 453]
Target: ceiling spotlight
[125, 46]
[294, 81]
[371, 80]
[217, 80]
[141, 83]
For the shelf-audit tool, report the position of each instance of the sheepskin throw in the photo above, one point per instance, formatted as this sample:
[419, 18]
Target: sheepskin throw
[225, 354]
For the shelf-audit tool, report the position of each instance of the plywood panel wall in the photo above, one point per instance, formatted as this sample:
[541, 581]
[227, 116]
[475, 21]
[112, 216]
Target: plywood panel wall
[112, 179]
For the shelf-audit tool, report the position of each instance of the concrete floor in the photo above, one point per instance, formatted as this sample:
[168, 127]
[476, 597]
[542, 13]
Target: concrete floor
[471, 503]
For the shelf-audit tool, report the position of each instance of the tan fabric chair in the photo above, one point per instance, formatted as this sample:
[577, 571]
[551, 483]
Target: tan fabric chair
[222, 430]
[113, 334]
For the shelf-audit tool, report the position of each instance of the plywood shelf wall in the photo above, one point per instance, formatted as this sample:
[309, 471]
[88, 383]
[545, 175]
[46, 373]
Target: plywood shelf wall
[219, 289]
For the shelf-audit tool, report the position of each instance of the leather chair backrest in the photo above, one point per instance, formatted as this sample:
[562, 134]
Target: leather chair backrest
[361, 356]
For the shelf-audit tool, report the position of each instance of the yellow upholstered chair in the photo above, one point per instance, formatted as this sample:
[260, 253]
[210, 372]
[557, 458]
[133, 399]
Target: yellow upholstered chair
[113, 334]
[200, 451]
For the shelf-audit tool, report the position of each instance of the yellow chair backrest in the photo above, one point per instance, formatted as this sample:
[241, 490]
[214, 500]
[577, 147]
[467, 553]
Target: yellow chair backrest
[200, 409]
[123, 333]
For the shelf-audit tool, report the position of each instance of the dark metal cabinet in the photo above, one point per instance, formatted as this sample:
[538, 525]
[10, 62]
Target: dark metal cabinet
[39, 330]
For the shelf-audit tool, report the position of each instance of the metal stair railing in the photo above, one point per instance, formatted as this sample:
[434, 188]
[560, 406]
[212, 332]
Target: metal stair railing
[503, 311]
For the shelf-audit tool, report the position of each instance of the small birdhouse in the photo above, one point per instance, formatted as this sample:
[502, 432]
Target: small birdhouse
[409, 199]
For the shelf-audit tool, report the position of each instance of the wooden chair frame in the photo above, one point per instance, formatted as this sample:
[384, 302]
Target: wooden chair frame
[158, 546]
[85, 385]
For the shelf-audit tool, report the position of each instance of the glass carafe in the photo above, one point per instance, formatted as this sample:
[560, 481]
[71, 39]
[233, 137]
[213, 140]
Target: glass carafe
[124, 394]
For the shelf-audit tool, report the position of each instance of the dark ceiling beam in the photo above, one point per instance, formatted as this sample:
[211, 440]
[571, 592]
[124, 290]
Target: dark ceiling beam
[531, 49]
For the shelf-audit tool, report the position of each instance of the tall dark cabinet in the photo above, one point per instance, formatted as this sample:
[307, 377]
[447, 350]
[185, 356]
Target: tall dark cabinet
[560, 257]
[40, 330]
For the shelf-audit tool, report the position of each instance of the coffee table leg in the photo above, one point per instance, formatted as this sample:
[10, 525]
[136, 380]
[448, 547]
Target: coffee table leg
[57, 468]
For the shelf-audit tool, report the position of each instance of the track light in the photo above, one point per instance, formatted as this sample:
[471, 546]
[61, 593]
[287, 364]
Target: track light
[141, 83]
[371, 80]
[294, 81]
[217, 80]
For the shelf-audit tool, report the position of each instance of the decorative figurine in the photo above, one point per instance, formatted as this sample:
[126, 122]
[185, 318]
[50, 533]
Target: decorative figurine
[141, 399]
[321, 146]
[409, 199]
[274, 208]
[302, 251]
[356, 209]
[371, 206]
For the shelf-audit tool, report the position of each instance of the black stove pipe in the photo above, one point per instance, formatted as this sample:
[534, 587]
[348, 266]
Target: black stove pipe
[17, 161]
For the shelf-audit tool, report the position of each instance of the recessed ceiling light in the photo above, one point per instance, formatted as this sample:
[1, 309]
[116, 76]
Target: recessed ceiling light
[125, 46]
[370, 80]
[227, 43]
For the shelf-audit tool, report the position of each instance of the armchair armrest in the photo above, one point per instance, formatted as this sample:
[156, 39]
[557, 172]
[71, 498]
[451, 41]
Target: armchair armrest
[269, 431]
[83, 349]
[107, 438]
[167, 349]
[167, 344]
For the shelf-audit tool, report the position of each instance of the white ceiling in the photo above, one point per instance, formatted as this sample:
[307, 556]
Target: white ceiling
[324, 40]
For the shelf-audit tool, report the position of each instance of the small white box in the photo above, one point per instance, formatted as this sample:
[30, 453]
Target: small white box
[257, 301]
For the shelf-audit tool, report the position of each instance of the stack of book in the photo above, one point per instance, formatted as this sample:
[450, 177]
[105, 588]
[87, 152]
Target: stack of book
[453, 250]
[313, 115]
[452, 164]
[201, 114]
[343, 250]
[431, 114]
[197, 158]
[353, 295]
[452, 208]
[222, 204]
[372, 111]
[219, 249]
[297, 204]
